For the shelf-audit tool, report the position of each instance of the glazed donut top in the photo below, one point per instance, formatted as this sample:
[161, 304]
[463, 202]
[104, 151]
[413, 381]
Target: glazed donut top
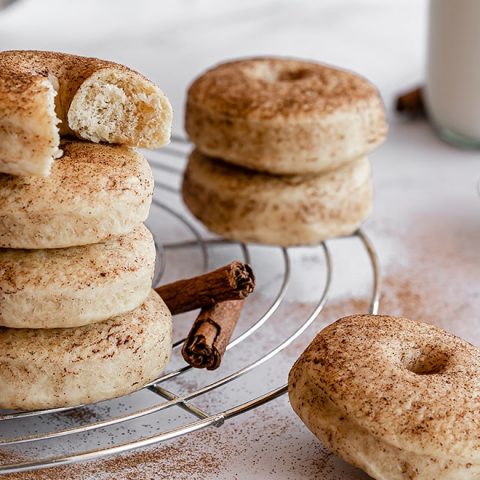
[267, 88]
[413, 385]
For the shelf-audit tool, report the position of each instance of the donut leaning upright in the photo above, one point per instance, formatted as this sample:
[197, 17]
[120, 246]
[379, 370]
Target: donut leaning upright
[395, 397]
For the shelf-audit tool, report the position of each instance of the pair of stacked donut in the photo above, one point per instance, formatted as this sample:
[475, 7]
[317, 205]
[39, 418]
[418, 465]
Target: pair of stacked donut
[281, 150]
[78, 319]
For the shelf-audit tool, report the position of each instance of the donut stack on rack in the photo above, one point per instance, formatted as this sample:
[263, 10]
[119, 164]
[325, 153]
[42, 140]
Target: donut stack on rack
[78, 320]
[281, 150]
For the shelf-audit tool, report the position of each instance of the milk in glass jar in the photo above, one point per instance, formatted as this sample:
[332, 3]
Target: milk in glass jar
[453, 70]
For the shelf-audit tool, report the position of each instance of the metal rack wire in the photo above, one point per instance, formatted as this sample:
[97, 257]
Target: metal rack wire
[171, 400]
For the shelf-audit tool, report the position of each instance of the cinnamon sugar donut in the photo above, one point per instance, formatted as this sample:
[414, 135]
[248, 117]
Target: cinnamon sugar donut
[284, 116]
[47, 94]
[70, 287]
[72, 366]
[246, 206]
[397, 398]
[95, 192]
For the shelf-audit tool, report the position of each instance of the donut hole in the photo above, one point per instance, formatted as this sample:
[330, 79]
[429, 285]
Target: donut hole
[120, 108]
[293, 75]
[279, 73]
[426, 361]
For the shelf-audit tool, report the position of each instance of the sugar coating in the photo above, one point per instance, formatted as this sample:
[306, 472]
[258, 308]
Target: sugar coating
[95, 192]
[284, 116]
[395, 397]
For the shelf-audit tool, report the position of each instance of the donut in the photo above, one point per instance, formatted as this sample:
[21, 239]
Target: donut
[70, 287]
[72, 366]
[395, 397]
[94, 193]
[284, 116]
[47, 94]
[246, 206]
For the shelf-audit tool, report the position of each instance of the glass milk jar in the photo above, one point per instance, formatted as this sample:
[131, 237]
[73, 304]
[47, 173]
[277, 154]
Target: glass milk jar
[453, 70]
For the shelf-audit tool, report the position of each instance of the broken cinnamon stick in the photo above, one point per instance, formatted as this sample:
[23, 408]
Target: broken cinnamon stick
[411, 102]
[208, 339]
[234, 281]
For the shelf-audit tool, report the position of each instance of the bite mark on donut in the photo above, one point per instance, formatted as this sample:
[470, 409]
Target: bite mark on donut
[120, 108]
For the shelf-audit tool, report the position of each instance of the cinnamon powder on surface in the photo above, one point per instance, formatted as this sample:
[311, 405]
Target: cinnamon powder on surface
[435, 283]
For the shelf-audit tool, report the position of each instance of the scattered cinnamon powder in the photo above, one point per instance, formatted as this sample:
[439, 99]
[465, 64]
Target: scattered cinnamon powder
[80, 415]
[166, 462]
[435, 282]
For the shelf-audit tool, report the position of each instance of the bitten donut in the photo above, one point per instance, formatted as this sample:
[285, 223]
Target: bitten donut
[394, 397]
[242, 205]
[94, 193]
[46, 94]
[284, 116]
[70, 287]
[72, 366]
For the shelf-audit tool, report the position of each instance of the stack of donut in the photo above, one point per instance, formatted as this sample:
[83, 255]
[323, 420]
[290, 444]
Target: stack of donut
[78, 320]
[281, 149]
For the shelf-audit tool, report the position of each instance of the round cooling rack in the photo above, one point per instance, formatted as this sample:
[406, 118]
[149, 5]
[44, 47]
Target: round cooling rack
[183, 400]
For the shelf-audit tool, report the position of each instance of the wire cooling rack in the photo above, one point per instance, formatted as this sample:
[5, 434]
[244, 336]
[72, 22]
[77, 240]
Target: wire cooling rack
[41, 439]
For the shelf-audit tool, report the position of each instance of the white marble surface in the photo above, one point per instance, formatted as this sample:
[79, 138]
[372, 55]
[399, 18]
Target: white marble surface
[426, 224]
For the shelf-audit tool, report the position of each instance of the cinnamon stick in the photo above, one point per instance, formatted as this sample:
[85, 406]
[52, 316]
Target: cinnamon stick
[234, 281]
[208, 339]
[411, 102]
